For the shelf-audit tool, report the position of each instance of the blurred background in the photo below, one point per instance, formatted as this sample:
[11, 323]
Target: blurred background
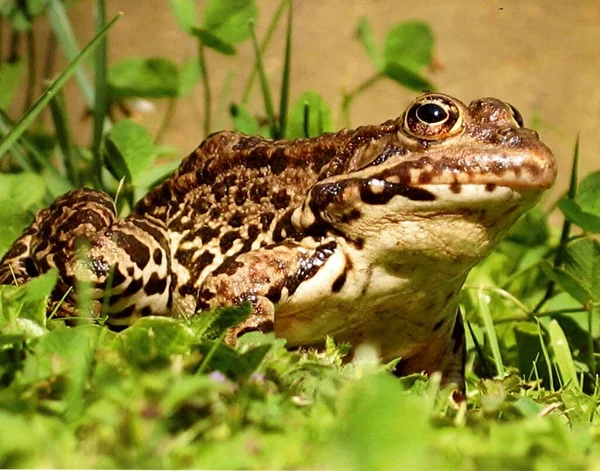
[542, 56]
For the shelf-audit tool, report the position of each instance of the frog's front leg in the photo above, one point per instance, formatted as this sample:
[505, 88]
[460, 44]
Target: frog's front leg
[445, 353]
[265, 277]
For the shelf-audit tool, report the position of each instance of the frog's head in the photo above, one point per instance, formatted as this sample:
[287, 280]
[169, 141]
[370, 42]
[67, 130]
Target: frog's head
[447, 183]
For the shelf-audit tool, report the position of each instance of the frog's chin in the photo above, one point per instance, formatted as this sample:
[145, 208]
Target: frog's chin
[455, 229]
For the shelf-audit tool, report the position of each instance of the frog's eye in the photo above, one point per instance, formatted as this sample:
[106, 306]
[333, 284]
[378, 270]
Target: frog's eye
[433, 117]
[516, 115]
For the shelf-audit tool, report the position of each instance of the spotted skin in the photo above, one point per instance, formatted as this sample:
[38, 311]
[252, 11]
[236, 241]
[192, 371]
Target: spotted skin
[364, 235]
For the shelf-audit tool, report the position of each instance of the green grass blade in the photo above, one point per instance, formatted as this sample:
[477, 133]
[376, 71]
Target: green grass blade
[66, 38]
[488, 322]
[264, 85]
[21, 125]
[285, 80]
[546, 356]
[566, 229]
[270, 30]
[63, 136]
[562, 354]
[100, 92]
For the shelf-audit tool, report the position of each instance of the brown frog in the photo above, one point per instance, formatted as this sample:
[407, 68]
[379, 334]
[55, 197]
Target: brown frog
[365, 235]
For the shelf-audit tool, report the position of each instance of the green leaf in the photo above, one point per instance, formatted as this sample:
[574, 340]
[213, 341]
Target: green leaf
[319, 116]
[129, 150]
[588, 194]
[367, 39]
[24, 189]
[152, 340]
[13, 220]
[243, 121]
[11, 74]
[19, 128]
[221, 319]
[213, 41]
[562, 354]
[145, 78]
[229, 19]
[580, 273]
[156, 174]
[39, 287]
[588, 221]
[407, 77]
[189, 75]
[410, 45]
[185, 13]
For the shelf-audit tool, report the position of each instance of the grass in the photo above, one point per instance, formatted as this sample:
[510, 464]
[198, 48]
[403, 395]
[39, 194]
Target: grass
[167, 393]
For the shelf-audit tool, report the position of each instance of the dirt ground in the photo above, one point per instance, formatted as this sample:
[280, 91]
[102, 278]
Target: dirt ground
[540, 55]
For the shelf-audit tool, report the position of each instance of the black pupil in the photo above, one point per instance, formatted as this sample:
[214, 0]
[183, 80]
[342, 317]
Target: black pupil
[431, 113]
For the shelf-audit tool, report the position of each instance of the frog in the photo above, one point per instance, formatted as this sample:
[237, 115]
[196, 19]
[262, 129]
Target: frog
[365, 236]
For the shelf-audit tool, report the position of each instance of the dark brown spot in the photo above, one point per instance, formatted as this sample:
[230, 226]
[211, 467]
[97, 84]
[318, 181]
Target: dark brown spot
[118, 277]
[455, 187]
[265, 220]
[138, 251]
[146, 311]
[155, 285]
[202, 206]
[259, 191]
[310, 266]
[214, 212]
[236, 219]
[274, 294]
[257, 158]
[387, 190]
[228, 239]
[279, 161]
[219, 190]
[123, 313]
[281, 199]
[204, 260]
[353, 215]
[438, 325]
[424, 177]
[339, 282]
[240, 197]
[134, 286]
[207, 234]
[157, 256]
[228, 267]
[490, 186]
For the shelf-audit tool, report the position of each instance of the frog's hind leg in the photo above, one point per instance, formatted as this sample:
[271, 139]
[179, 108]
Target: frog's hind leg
[16, 267]
[80, 236]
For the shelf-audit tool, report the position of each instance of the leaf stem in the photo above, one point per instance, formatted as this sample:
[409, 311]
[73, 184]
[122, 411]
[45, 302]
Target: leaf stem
[31, 70]
[264, 85]
[566, 229]
[592, 361]
[348, 97]
[100, 97]
[263, 47]
[206, 88]
[285, 80]
[166, 121]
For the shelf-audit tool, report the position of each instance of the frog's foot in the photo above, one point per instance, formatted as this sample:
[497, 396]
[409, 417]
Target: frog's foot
[80, 236]
[446, 354]
[262, 319]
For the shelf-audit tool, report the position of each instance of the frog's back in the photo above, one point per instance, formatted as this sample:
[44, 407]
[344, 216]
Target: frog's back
[236, 193]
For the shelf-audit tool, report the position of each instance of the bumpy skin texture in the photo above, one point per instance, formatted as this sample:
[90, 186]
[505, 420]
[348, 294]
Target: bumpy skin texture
[365, 235]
